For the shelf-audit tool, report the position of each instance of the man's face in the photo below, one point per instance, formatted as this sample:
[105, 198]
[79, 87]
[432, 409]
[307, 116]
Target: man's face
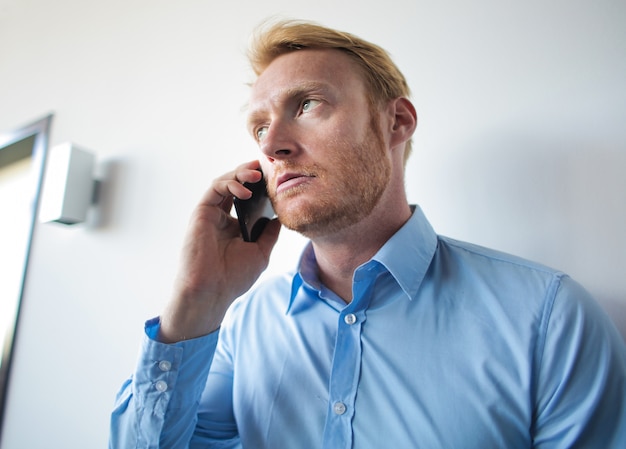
[325, 155]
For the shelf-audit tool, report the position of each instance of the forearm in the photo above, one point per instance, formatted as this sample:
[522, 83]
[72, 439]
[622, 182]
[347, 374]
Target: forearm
[157, 407]
[186, 318]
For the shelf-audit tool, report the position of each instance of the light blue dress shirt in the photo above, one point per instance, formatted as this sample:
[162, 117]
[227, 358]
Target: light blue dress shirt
[445, 345]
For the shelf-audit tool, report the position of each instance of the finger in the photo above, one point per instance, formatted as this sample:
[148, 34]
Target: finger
[250, 175]
[231, 184]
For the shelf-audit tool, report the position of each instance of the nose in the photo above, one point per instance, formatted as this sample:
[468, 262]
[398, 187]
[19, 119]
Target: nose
[279, 141]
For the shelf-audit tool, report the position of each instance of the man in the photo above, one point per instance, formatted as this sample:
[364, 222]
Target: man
[387, 335]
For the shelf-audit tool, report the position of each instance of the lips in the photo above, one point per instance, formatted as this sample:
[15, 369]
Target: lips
[290, 180]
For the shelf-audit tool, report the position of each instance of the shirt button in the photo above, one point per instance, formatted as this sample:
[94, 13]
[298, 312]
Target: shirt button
[161, 386]
[350, 319]
[165, 365]
[339, 408]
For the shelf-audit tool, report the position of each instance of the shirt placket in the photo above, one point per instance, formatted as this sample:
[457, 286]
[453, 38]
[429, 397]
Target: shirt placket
[346, 366]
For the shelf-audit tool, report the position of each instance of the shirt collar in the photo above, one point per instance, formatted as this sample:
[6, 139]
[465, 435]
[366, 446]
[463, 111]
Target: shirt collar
[406, 255]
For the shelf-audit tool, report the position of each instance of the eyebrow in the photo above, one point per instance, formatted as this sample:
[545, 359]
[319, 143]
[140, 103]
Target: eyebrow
[285, 95]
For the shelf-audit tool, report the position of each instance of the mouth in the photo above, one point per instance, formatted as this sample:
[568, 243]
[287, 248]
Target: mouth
[291, 180]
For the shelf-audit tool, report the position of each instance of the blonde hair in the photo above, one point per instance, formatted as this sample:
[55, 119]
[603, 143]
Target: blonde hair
[383, 79]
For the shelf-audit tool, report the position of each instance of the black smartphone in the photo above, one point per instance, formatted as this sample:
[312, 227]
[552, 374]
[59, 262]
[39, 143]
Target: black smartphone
[254, 213]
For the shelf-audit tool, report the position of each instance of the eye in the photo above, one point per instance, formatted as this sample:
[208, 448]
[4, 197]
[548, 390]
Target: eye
[261, 132]
[309, 104]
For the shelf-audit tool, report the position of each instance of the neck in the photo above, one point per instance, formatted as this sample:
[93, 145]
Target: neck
[340, 254]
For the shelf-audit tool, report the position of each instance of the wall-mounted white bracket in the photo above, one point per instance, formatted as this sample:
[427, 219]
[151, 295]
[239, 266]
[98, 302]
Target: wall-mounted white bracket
[69, 185]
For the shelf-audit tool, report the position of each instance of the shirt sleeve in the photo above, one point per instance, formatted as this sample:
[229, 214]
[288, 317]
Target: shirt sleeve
[157, 406]
[581, 375]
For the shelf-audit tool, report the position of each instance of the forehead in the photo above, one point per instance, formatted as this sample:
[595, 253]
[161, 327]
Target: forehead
[309, 67]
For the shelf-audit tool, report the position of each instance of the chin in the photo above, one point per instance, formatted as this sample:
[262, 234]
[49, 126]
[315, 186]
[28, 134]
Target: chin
[322, 218]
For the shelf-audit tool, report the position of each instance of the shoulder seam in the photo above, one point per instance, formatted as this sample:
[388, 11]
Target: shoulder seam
[501, 256]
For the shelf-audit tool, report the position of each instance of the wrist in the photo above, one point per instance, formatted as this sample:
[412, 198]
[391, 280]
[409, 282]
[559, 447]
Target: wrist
[184, 320]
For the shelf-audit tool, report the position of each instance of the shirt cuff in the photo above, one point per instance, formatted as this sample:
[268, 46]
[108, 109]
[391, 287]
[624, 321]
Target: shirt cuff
[172, 376]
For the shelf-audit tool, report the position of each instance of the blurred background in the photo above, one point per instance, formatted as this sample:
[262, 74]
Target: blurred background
[521, 146]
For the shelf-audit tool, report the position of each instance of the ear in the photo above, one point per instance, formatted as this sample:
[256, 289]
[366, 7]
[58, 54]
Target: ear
[403, 120]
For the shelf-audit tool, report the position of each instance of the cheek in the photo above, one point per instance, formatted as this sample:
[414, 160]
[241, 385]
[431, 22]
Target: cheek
[342, 127]
[338, 145]
[350, 141]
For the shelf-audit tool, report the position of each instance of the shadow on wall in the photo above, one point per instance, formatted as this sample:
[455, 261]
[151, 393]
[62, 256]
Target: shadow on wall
[106, 195]
[617, 312]
[560, 203]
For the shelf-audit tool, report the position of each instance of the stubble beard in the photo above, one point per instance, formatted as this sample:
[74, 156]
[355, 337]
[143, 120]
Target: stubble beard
[354, 181]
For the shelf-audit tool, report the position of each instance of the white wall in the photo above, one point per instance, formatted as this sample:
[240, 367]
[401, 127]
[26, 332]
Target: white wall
[521, 146]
